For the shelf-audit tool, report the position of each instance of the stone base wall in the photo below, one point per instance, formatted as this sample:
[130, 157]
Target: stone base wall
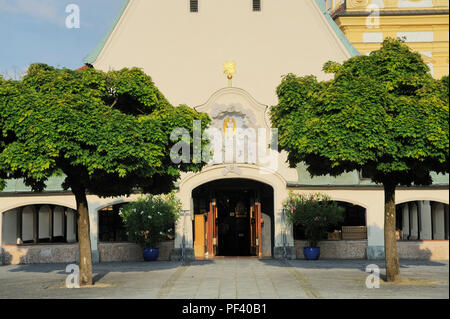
[165, 250]
[356, 249]
[39, 254]
[129, 252]
[336, 249]
[109, 252]
[67, 253]
[424, 250]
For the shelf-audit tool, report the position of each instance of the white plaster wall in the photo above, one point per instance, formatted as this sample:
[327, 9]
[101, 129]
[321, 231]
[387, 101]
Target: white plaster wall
[184, 52]
[371, 199]
[403, 195]
[14, 201]
[246, 171]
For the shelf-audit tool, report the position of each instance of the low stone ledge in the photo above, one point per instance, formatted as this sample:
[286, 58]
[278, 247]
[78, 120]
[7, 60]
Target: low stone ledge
[423, 249]
[115, 252]
[39, 254]
[336, 249]
[356, 249]
[130, 252]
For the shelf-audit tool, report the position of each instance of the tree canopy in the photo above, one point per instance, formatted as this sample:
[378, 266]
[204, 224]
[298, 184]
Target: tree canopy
[108, 133]
[382, 114]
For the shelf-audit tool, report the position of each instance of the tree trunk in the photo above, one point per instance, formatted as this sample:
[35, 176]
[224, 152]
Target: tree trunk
[390, 242]
[84, 239]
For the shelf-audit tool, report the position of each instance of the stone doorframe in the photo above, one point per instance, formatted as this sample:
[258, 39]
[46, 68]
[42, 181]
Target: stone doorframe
[283, 234]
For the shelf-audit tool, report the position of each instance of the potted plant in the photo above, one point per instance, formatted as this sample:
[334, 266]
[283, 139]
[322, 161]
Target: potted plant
[151, 220]
[315, 213]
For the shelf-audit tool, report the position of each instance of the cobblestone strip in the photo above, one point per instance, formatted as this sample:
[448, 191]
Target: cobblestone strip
[304, 283]
[165, 289]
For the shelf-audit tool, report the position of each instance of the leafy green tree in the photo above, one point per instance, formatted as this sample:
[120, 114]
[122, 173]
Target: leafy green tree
[107, 133]
[383, 114]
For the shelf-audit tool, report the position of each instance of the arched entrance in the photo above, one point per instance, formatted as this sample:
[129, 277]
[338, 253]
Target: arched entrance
[233, 217]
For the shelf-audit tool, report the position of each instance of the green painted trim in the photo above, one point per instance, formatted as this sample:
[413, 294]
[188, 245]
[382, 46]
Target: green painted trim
[92, 57]
[348, 45]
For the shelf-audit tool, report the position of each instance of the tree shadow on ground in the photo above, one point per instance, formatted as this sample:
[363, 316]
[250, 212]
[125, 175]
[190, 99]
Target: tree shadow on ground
[360, 264]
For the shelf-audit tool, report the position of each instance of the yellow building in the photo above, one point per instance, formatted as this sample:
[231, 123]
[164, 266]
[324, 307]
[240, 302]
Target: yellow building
[423, 23]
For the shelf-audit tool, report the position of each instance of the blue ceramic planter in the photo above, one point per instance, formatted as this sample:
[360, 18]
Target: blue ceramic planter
[311, 253]
[150, 254]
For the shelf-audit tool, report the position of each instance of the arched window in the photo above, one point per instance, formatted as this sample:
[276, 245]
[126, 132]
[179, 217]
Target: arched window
[422, 220]
[353, 226]
[35, 224]
[110, 225]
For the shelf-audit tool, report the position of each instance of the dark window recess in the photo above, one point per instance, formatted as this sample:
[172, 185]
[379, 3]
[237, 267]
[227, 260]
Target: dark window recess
[256, 5]
[111, 228]
[194, 5]
[363, 174]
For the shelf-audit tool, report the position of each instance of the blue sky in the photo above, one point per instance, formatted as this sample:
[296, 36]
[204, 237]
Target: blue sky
[35, 31]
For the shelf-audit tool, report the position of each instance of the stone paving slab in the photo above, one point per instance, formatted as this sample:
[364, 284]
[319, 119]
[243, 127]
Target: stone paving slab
[228, 279]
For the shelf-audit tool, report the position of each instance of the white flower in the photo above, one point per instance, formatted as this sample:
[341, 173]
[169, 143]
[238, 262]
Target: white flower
[142, 212]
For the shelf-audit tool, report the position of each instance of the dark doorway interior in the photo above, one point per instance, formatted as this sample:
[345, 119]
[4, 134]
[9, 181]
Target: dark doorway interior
[235, 201]
[233, 222]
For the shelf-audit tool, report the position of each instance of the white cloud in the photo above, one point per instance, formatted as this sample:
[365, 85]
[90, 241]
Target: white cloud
[47, 10]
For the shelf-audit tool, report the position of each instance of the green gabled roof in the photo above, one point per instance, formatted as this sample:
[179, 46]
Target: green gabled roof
[348, 45]
[92, 57]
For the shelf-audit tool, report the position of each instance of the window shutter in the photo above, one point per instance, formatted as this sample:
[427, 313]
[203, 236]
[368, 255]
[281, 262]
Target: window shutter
[194, 5]
[256, 5]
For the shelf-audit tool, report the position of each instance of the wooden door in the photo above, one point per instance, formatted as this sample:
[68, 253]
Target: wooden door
[212, 230]
[252, 229]
[199, 241]
[258, 229]
[255, 229]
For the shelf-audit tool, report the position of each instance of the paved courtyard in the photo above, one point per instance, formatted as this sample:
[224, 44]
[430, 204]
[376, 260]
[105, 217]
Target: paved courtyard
[239, 278]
